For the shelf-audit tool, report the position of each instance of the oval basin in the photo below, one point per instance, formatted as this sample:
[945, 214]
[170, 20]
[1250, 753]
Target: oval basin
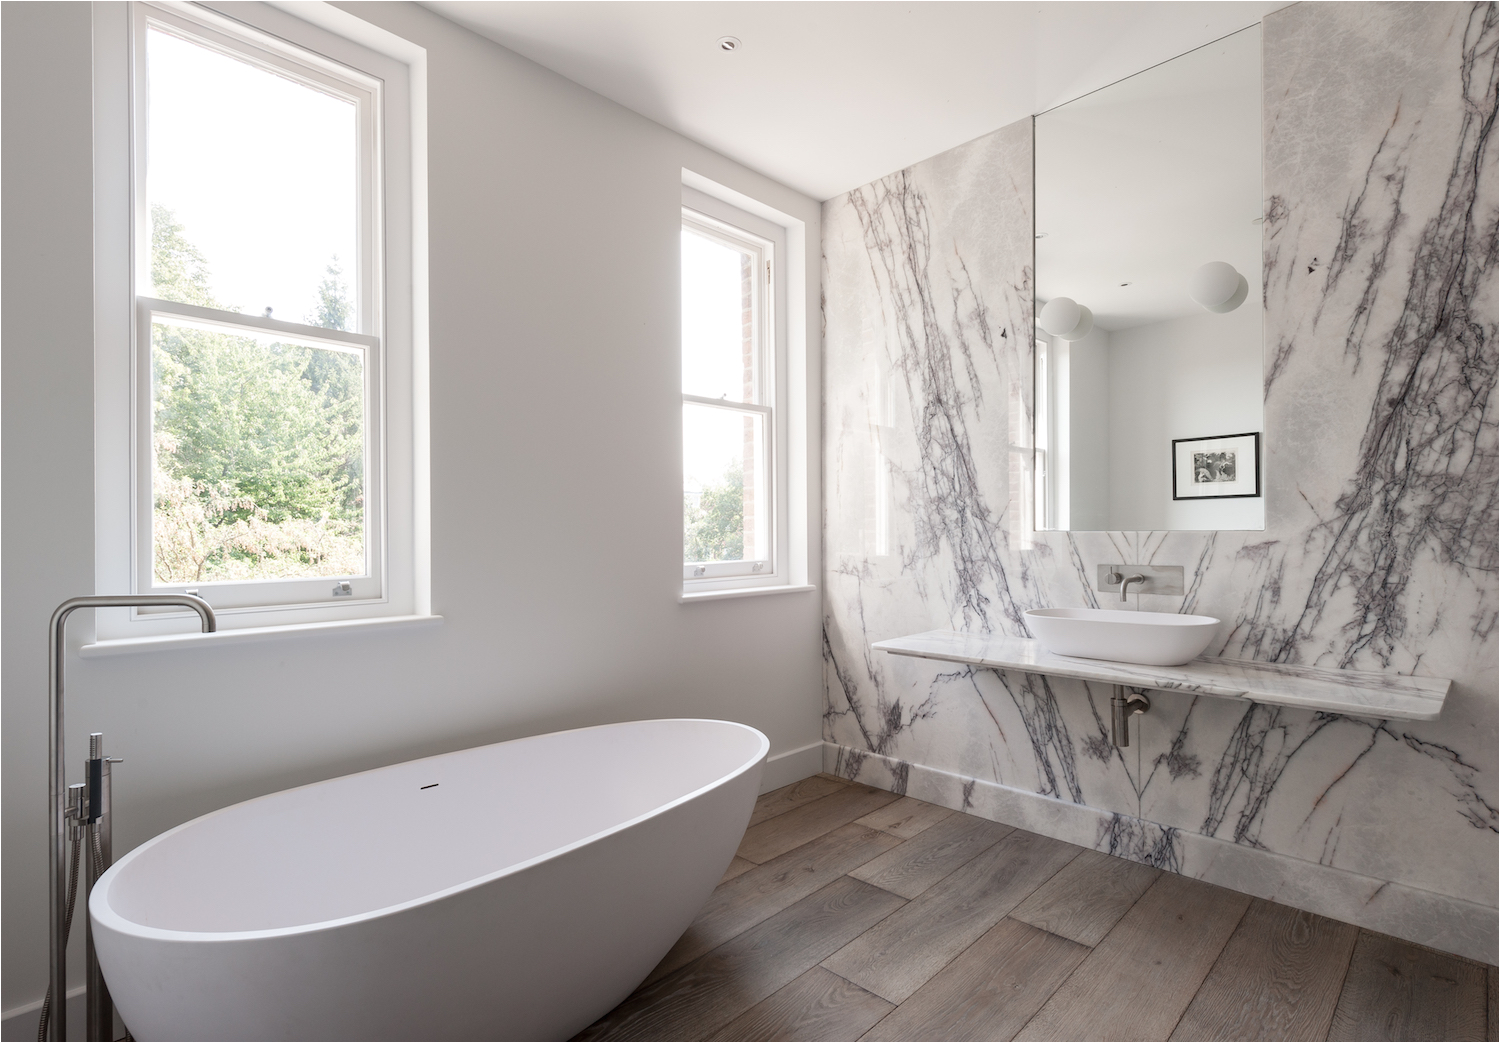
[1147, 638]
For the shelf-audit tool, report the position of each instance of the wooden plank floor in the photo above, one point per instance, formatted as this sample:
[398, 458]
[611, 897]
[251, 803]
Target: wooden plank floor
[850, 913]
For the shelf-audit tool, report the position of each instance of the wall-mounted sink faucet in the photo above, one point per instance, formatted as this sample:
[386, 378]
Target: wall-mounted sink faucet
[1135, 577]
[1141, 579]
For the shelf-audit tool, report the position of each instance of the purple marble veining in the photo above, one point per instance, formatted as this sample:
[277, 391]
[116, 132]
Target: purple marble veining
[1380, 547]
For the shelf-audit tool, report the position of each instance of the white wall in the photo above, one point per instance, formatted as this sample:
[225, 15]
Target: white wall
[1185, 378]
[1129, 393]
[555, 470]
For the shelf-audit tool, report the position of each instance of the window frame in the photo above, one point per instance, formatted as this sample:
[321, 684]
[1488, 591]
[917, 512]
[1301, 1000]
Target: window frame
[1049, 455]
[389, 305]
[715, 219]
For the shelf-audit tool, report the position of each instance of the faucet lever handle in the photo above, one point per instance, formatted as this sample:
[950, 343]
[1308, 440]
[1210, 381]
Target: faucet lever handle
[77, 807]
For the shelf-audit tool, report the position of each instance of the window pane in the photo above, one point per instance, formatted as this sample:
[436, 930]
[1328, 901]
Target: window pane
[724, 499]
[719, 351]
[252, 180]
[257, 457]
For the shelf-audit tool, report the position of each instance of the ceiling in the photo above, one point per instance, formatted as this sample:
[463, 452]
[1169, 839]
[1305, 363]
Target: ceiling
[828, 95]
[1139, 184]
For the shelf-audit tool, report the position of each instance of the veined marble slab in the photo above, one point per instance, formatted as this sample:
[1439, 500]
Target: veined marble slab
[1380, 333]
[1360, 694]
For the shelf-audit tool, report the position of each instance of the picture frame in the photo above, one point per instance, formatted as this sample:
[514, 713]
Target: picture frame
[1218, 467]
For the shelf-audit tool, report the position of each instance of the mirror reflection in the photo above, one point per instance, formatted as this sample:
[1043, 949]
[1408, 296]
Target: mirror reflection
[1148, 285]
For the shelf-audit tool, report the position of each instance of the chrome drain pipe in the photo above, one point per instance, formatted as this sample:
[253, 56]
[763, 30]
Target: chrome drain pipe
[1122, 708]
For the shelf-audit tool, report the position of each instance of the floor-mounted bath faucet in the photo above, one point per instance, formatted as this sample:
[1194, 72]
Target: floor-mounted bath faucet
[55, 1008]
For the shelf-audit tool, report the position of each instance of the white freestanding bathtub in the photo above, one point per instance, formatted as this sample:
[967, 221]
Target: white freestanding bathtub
[513, 891]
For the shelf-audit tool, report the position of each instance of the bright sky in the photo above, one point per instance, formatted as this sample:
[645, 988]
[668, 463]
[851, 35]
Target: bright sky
[712, 441]
[260, 171]
[712, 360]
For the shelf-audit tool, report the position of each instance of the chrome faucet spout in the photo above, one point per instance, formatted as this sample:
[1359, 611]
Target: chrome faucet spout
[1125, 585]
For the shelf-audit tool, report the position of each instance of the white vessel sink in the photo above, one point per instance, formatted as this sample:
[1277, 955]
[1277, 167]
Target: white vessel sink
[1148, 638]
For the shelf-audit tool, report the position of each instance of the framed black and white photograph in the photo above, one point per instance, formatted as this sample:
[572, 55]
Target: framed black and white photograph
[1216, 468]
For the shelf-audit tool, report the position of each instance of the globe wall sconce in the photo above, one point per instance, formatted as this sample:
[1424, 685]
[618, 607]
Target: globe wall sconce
[1066, 318]
[1218, 287]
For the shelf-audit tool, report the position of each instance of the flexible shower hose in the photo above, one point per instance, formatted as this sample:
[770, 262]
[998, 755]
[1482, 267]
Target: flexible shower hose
[72, 899]
[96, 860]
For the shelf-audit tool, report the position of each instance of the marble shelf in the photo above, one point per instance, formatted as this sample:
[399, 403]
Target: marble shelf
[1385, 696]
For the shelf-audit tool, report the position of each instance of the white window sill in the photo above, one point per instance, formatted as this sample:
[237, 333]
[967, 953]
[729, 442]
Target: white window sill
[248, 635]
[738, 592]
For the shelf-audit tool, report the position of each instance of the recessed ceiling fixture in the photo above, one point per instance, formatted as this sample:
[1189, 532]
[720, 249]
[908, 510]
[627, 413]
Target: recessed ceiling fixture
[729, 43]
[1041, 235]
[1124, 284]
[1218, 287]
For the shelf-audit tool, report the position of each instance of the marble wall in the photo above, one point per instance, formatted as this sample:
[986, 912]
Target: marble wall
[1379, 551]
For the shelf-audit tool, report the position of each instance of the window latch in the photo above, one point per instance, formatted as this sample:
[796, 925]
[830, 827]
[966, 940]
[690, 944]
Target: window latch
[699, 570]
[343, 590]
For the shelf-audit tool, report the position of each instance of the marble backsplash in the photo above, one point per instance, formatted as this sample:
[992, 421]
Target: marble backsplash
[1380, 550]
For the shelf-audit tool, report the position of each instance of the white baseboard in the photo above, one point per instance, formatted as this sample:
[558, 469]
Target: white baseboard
[19, 1023]
[786, 768]
[1439, 921]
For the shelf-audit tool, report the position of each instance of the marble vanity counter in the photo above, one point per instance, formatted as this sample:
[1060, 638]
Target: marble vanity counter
[1385, 696]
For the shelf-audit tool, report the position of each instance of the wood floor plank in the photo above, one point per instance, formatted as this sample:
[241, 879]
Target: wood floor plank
[916, 865]
[803, 791]
[702, 997]
[836, 778]
[817, 1005]
[894, 959]
[906, 817]
[776, 836]
[757, 894]
[989, 991]
[1396, 990]
[737, 865]
[1278, 978]
[1088, 897]
[1142, 975]
[1490, 974]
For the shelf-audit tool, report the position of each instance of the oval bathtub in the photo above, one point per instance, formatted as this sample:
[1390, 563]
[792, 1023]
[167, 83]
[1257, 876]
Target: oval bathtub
[513, 891]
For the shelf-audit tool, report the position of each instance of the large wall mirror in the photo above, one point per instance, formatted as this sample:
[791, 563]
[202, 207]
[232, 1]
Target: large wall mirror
[1148, 286]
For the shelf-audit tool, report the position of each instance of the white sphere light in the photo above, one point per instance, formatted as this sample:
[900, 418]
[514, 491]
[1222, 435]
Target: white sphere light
[1218, 287]
[1066, 318]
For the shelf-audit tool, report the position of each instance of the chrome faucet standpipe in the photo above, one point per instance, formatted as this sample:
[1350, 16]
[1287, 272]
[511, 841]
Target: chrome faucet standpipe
[57, 792]
[100, 1010]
